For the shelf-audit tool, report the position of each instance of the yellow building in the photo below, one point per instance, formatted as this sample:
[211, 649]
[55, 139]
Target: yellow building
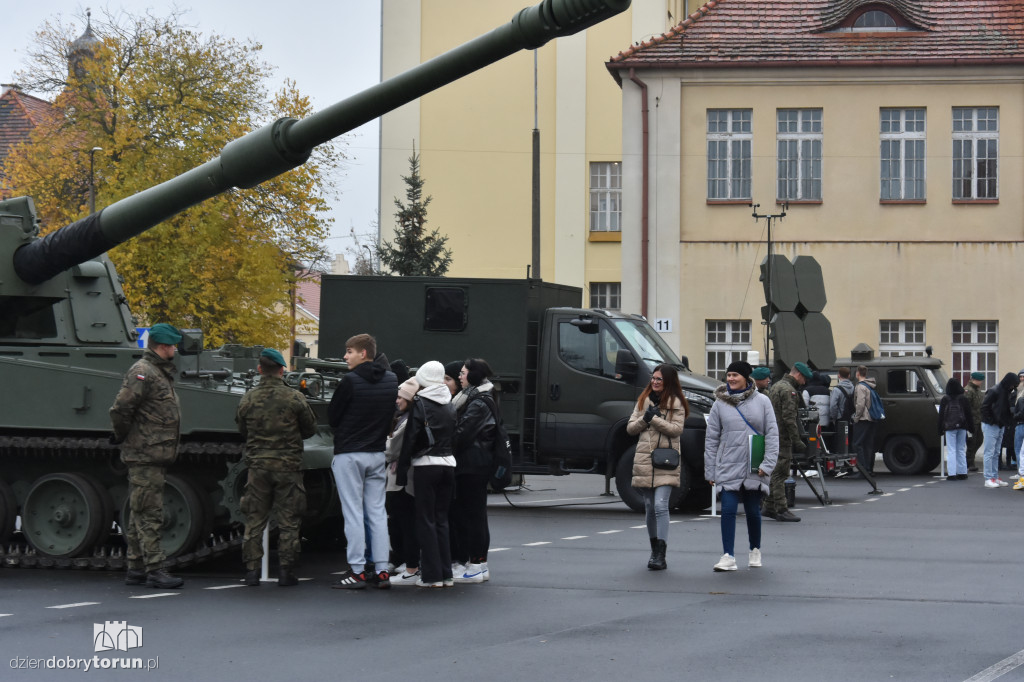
[891, 127]
[474, 138]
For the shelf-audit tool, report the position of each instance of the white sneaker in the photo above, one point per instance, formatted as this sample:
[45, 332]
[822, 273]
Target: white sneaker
[487, 571]
[753, 559]
[404, 578]
[726, 563]
[473, 573]
[1001, 483]
[458, 569]
[991, 483]
[420, 583]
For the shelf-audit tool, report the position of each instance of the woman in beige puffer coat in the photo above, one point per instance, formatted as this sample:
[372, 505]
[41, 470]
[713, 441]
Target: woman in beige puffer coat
[658, 420]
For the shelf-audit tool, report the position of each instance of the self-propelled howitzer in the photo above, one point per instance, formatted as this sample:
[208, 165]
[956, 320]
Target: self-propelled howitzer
[67, 337]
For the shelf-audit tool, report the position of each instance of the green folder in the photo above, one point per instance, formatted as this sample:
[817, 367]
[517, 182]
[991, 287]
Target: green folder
[756, 446]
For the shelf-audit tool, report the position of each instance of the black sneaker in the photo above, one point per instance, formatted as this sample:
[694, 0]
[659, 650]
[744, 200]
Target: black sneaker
[135, 576]
[163, 580]
[351, 581]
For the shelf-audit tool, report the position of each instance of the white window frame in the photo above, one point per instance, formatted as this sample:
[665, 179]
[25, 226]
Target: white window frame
[975, 348]
[730, 146]
[606, 196]
[903, 153]
[975, 132]
[726, 341]
[901, 338]
[606, 295]
[798, 162]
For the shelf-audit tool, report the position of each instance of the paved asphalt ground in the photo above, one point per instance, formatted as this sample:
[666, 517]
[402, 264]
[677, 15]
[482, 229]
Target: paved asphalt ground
[923, 583]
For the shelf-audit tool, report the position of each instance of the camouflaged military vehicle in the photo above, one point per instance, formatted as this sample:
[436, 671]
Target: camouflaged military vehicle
[67, 337]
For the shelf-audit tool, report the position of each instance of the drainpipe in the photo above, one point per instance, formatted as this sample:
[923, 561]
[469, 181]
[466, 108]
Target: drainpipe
[645, 184]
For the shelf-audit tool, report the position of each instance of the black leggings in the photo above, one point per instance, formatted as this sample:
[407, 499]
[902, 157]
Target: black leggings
[469, 517]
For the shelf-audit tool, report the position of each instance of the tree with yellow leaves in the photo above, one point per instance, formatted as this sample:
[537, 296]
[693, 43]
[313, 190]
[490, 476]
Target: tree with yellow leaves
[160, 99]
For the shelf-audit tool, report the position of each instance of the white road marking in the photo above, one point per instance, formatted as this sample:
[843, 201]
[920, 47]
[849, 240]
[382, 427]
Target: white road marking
[497, 549]
[4, 615]
[815, 507]
[903, 490]
[888, 494]
[853, 503]
[563, 499]
[672, 521]
[919, 485]
[535, 544]
[154, 596]
[871, 499]
[608, 532]
[228, 587]
[71, 606]
[999, 669]
[580, 537]
[640, 526]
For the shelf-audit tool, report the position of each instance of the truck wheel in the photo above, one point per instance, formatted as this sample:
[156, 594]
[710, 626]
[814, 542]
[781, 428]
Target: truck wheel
[698, 498]
[904, 455]
[932, 461]
[629, 494]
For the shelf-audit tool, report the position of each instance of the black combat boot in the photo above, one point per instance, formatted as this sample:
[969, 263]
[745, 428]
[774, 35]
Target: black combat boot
[252, 577]
[135, 576]
[163, 580]
[654, 554]
[657, 562]
[285, 577]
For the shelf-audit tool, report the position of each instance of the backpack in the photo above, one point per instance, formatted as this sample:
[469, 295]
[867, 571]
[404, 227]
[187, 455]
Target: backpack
[875, 409]
[954, 418]
[846, 414]
[501, 449]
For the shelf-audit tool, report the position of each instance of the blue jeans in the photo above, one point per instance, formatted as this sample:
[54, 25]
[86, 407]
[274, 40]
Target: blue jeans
[361, 483]
[1018, 441]
[752, 508]
[993, 445]
[656, 508]
[956, 452]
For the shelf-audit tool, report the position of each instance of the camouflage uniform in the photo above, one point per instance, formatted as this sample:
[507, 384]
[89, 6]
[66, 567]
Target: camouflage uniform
[784, 397]
[975, 396]
[146, 417]
[274, 419]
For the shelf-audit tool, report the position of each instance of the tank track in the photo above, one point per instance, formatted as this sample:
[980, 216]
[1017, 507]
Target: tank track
[110, 556]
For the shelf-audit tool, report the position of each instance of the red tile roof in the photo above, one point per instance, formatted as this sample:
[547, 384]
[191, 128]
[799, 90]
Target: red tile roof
[19, 114]
[756, 33]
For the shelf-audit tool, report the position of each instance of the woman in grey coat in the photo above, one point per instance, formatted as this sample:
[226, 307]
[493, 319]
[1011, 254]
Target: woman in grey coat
[738, 413]
[658, 421]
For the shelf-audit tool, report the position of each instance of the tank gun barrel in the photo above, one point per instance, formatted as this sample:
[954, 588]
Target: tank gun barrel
[287, 143]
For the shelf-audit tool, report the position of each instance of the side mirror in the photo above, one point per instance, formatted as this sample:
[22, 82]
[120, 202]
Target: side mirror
[626, 366]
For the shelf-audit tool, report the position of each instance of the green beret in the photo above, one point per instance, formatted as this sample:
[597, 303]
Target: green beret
[803, 369]
[164, 333]
[760, 373]
[273, 355]
[978, 376]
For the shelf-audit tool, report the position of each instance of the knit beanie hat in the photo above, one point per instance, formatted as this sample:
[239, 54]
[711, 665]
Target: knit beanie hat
[452, 369]
[408, 389]
[430, 374]
[742, 368]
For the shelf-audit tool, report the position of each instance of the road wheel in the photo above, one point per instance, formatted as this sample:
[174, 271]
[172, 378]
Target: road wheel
[8, 511]
[699, 496]
[628, 494]
[62, 516]
[932, 460]
[904, 455]
[185, 516]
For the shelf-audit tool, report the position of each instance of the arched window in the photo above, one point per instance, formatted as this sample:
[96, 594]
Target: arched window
[874, 20]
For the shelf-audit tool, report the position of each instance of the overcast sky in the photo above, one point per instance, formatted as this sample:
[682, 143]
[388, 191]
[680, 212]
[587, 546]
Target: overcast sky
[330, 49]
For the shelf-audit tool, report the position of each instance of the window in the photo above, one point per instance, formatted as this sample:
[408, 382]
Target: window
[799, 136]
[587, 352]
[901, 338]
[903, 167]
[446, 309]
[875, 20]
[605, 295]
[975, 153]
[726, 342]
[975, 349]
[606, 197]
[729, 142]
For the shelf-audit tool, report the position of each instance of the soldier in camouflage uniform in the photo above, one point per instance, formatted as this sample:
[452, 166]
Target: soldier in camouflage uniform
[146, 418]
[274, 419]
[975, 393]
[762, 377]
[784, 395]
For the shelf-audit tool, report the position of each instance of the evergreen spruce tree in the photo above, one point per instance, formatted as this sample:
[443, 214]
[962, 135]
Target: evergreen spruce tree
[414, 251]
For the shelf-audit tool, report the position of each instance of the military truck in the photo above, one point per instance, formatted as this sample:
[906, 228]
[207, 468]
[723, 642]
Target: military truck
[568, 377]
[911, 389]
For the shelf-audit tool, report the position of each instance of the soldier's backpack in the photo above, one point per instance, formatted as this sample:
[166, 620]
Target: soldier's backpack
[501, 449]
[875, 408]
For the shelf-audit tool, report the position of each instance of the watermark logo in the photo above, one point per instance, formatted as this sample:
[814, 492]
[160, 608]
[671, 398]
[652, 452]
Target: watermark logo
[116, 635]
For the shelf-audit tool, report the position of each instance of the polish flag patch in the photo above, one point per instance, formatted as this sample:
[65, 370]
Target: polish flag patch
[140, 377]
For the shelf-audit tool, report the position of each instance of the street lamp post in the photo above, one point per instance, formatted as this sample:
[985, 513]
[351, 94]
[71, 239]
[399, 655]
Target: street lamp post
[92, 183]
